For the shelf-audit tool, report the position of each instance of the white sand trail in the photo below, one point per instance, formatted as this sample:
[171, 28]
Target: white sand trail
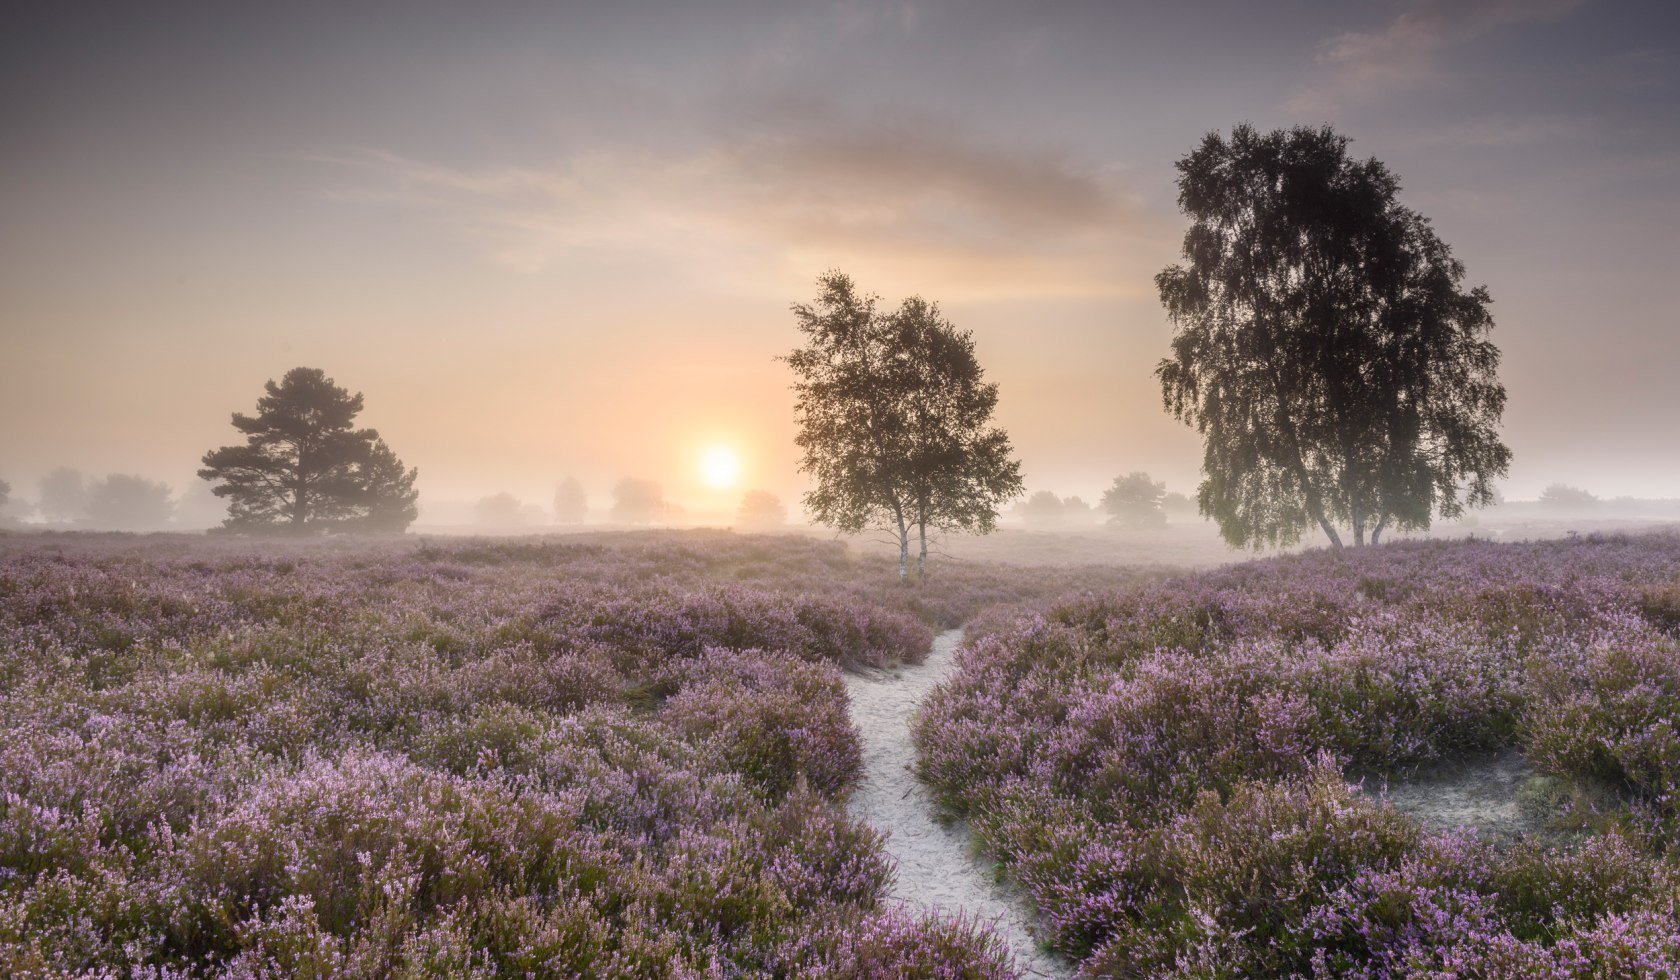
[936, 867]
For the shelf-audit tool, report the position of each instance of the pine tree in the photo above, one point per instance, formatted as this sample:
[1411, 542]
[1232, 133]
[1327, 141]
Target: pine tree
[305, 468]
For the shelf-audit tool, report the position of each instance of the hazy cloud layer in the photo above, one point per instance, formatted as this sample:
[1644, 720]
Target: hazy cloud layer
[557, 239]
[997, 221]
[1403, 53]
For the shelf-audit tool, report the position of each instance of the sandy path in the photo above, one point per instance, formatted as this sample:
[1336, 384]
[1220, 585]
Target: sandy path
[935, 866]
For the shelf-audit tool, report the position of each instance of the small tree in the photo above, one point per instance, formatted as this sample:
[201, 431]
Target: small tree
[5, 501]
[1562, 496]
[124, 502]
[1339, 375]
[305, 468]
[499, 510]
[638, 501]
[895, 421]
[1077, 511]
[1177, 506]
[64, 496]
[571, 506]
[761, 508]
[1134, 501]
[1042, 509]
[199, 508]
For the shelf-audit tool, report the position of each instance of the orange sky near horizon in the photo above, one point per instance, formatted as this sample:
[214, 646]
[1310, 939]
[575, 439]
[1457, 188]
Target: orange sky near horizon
[551, 243]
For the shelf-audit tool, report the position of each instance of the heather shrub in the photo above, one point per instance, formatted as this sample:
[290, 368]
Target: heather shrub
[353, 833]
[1607, 706]
[1660, 604]
[899, 945]
[775, 719]
[1165, 769]
[1543, 890]
[1230, 883]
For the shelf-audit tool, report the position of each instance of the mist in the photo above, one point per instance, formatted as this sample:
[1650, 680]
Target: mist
[534, 268]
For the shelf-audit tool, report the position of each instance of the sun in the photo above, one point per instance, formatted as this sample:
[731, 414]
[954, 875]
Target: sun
[720, 467]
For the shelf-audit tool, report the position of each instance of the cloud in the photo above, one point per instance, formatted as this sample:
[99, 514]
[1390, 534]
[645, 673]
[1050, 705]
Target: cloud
[1403, 54]
[829, 193]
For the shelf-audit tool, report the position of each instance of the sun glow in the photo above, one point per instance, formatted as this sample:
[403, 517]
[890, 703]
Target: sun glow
[720, 467]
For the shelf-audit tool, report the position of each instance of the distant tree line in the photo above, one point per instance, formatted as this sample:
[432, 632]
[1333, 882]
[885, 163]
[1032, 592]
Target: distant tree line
[115, 502]
[1325, 347]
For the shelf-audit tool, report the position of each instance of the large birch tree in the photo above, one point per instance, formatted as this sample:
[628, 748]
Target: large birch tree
[1339, 373]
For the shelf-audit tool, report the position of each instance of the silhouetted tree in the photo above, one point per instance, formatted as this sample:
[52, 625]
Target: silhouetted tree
[1134, 501]
[198, 507]
[499, 510]
[64, 495]
[1176, 505]
[5, 500]
[895, 420]
[124, 502]
[638, 501]
[1324, 348]
[1077, 511]
[1042, 508]
[571, 505]
[761, 508]
[1562, 496]
[305, 468]
[386, 494]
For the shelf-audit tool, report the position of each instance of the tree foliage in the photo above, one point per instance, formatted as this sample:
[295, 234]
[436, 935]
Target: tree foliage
[571, 504]
[1134, 501]
[124, 502]
[1324, 347]
[895, 420]
[499, 510]
[64, 495]
[305, 468]
[637, 501]
[1562, 496]
[1042, 508]
[388, 501]
[761, 508]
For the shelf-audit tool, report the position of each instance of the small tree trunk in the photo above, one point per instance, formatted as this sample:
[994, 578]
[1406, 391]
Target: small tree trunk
[921, 559]
[903, 552]
[1329, 531]
[1376, 532]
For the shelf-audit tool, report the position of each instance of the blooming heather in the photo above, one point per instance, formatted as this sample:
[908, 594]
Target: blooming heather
[618, 756]
[1172, 771]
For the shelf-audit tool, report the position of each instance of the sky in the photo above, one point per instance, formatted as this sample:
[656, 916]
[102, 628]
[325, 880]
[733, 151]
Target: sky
[561, 239]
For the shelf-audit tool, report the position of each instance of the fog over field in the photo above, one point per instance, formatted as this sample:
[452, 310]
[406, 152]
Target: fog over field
[552, 242]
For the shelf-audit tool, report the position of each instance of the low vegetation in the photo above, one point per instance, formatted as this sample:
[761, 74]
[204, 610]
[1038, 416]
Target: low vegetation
[1173, 771]
[621, 755]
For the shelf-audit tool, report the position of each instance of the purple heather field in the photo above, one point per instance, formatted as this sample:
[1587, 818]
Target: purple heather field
[630, 754]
